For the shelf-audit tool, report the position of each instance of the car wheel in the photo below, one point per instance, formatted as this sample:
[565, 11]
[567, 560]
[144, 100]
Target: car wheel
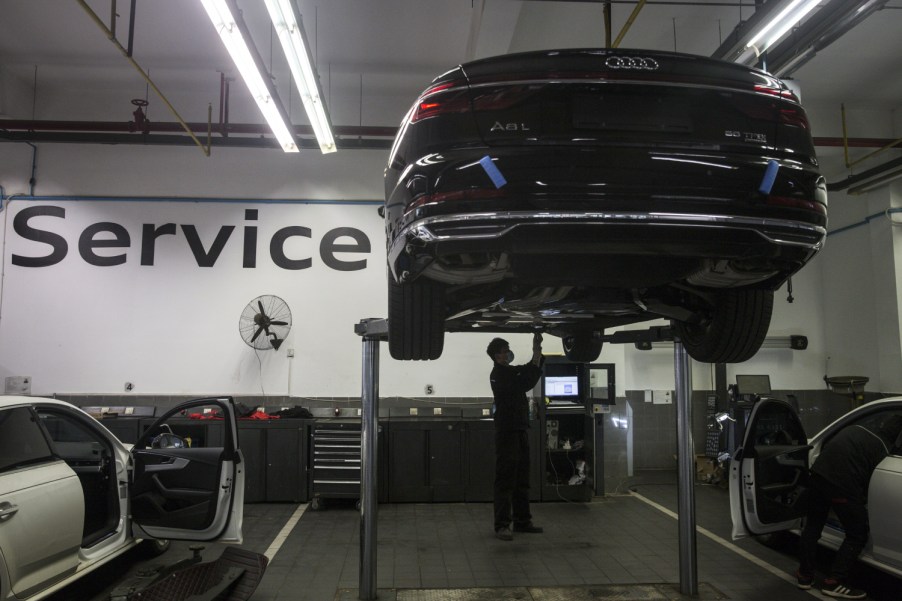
[583, 347]
[416, 320]
[151, 548]
[734, 330]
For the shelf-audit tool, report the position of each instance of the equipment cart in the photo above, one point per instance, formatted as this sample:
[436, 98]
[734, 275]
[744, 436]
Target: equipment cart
[336, 461]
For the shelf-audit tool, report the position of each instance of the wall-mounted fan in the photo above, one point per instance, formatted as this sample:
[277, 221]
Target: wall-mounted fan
[265, 322]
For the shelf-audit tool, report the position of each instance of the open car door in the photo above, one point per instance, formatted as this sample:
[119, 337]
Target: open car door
[769, 471]
[187, 479]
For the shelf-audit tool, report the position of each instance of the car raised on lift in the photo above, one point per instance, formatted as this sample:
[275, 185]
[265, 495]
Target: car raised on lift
[573, 191]
[73, 497]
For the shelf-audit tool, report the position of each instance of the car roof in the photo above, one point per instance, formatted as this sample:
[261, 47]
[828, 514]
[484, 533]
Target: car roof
[8, 400]
[854, 413]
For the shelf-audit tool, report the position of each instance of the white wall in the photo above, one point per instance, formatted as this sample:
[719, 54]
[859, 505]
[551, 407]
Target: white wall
[172, 328]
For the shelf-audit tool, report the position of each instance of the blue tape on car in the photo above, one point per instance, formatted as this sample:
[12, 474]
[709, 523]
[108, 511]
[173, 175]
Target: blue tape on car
[770, 174]
[492, 171]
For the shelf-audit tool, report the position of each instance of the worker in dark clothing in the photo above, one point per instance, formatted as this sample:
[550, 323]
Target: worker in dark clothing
[839, 481]
[509, 386]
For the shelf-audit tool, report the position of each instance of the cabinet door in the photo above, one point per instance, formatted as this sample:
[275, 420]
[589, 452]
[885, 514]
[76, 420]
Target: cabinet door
[535, 461]
[283, 465]
[408, 471]
[480, 449]
[252, 447]
[445, 466]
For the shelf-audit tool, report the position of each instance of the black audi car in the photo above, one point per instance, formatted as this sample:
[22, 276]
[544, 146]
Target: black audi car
[573, 191]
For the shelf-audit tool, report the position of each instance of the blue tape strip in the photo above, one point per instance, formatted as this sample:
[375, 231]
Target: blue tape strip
[770, 174]
[492, 171]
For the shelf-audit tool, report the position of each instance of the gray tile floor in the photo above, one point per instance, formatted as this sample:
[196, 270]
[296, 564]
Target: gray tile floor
[616, 547]
[616, 540]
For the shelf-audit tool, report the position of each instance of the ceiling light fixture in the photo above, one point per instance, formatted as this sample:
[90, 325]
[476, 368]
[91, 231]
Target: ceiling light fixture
[287, 22]
[771, 21]
[777, 27]
[231, 28]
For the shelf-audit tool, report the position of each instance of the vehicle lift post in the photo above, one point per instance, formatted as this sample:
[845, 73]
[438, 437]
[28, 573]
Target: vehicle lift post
[372, 331]
[643, 340]
[685, 471]
[375, 330]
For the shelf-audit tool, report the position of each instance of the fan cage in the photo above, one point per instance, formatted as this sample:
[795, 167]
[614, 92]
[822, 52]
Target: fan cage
[259, 332]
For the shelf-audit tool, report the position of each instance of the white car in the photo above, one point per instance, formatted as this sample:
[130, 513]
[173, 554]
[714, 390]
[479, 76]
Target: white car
[767, 471]
[73, 497]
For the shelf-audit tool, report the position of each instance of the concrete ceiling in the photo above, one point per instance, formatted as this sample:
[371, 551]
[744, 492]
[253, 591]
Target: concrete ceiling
[374, 56]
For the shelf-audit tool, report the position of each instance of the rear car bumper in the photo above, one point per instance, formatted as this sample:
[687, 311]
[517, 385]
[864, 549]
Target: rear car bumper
[776, 245]
[601, 202]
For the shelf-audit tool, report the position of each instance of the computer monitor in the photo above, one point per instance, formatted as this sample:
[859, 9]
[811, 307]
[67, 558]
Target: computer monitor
[563, 382]
[562, 387]
[753, 385]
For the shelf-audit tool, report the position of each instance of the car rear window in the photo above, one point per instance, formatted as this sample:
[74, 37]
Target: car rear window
[21, 440]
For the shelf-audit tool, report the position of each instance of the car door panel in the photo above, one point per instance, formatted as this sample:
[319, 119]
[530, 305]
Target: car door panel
[769, 471]
[176, 489]
[40, 541]
[189, 493]
[884, 501]
[41, 506]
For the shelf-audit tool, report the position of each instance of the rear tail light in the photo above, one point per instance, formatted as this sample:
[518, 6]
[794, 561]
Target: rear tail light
[446, 97]
[794, 117]
[796, 203]
[777, 92]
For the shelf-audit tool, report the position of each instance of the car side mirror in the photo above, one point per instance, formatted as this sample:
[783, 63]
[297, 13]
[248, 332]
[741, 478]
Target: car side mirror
[381, 211]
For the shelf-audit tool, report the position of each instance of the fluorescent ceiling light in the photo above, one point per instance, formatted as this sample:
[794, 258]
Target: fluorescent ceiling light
[246, 58]
[777, 27]
[288, 26]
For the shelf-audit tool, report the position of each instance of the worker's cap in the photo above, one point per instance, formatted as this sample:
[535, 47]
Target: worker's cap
[496, 346]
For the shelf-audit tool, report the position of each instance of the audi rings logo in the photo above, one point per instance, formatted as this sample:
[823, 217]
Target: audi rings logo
[638, 63]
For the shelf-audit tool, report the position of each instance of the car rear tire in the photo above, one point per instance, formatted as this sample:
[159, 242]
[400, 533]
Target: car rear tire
[416, 320]
[735, 329]
[582, 348]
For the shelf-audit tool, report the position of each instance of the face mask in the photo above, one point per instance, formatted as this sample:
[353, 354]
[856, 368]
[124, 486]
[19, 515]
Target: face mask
[510, 356]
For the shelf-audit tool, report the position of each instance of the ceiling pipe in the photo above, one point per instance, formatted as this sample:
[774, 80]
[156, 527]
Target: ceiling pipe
[348, 137]
[230, 128]
[629, 23]
[127, 54]
[365, 131]
[49, 128]
[139, 139]
[869, 175]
